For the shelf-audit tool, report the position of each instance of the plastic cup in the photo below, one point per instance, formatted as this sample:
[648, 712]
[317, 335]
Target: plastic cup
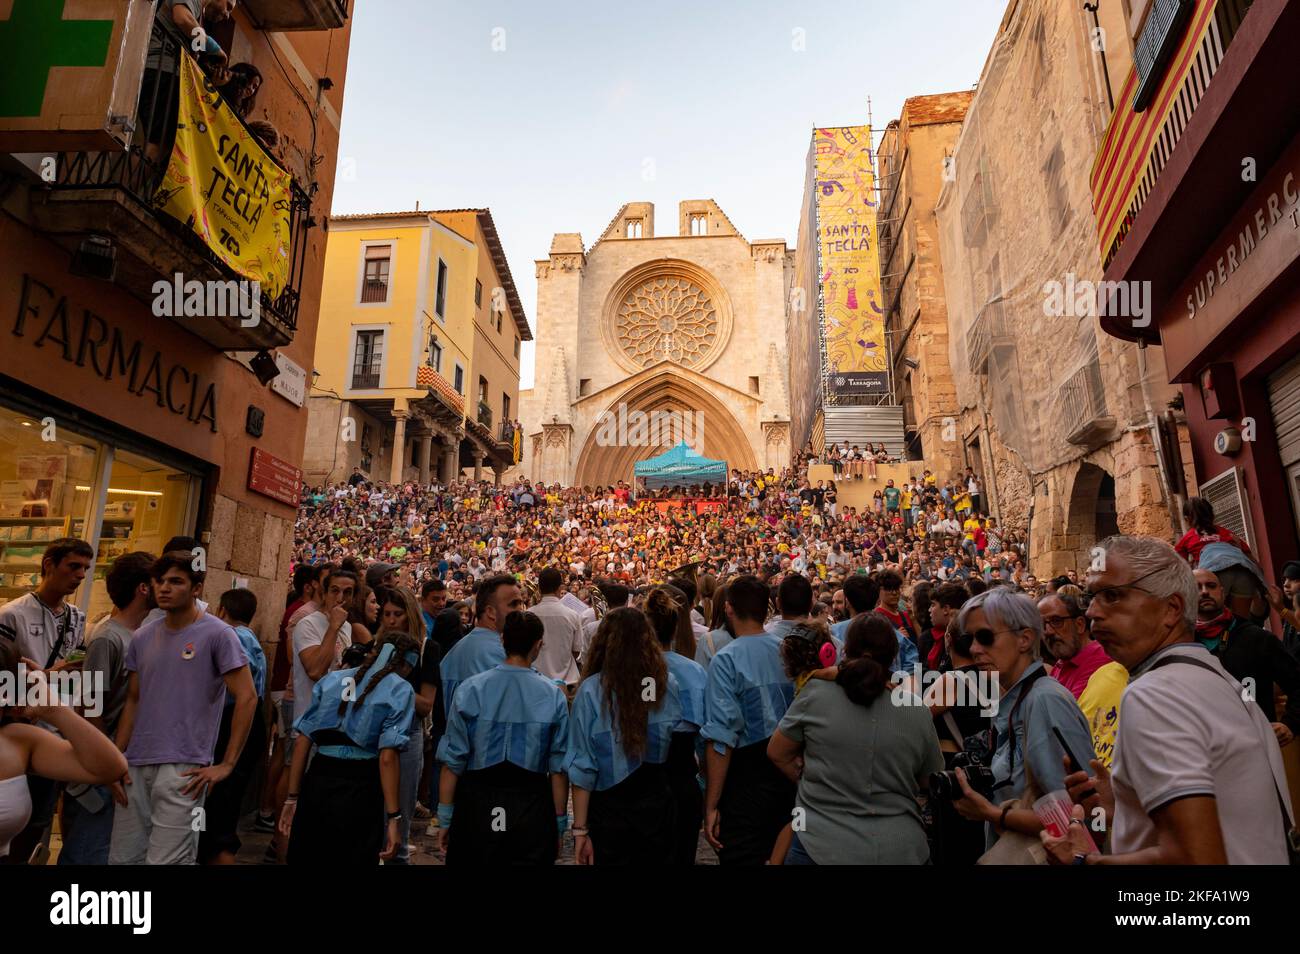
[1053, 810]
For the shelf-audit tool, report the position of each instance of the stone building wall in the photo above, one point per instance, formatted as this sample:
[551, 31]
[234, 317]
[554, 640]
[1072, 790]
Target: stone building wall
[1065, 411]
[912, 167]
[584, 367]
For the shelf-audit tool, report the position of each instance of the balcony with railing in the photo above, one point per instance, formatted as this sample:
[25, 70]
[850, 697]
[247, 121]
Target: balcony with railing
[365, 380]
[374, 289]
[1181, 47]
[298, 14]
[1082, 407]
[988, 331]
[106, 199]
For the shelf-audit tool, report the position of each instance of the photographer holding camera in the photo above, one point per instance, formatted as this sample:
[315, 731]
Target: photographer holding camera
[1005, 629]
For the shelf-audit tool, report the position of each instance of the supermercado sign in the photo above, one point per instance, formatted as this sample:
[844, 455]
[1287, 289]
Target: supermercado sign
[85, 339]
[224, 186]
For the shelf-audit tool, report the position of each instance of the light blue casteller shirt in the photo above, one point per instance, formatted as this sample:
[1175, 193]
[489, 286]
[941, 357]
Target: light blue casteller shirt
[477, 651]
[596, 760]
[256, 661]
[384, 719]
[708, 646]
[692, 682]
[507, 714]
[908, 655]
[747, 694]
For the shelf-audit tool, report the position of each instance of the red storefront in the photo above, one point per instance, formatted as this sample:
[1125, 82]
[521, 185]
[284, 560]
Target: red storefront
[1212, 222]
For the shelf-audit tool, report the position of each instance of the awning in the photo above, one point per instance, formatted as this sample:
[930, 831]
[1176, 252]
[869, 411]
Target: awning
[681, 465]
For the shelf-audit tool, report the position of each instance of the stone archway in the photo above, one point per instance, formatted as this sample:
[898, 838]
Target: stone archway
[1092, 515]
[601, 463]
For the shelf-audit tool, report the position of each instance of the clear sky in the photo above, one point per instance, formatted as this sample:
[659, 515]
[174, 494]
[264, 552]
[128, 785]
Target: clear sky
[554, 114]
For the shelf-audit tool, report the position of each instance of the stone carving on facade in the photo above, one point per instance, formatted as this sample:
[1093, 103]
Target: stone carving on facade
[543, 269]
[567, 263]
[556, 436]
[766, 253]
[537, 449]
[778, 432]
[667, 318]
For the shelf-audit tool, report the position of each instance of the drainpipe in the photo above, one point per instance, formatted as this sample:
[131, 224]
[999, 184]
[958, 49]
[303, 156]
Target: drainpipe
[1105, 70]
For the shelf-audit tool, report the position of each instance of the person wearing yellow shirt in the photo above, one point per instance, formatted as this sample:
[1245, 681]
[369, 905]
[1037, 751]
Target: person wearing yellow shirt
[1083, 667]
[962, 502]
[905, 502]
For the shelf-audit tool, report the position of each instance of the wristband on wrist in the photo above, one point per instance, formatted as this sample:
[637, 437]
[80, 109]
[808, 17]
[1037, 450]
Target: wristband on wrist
[290, 798]
[1002, 819]
[393, 816]
[444, 814]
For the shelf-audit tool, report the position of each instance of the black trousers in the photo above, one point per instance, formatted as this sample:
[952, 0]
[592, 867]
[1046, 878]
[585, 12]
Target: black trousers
[756, 804]
[632, 824]
[683, 772]
[222, 807]
[340, 816]
[505, 815]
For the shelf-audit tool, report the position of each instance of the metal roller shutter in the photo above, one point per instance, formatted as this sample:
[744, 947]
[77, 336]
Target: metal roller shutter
[1284, 396]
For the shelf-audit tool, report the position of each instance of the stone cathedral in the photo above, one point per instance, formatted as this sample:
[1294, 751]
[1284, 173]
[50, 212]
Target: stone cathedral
[691, 325]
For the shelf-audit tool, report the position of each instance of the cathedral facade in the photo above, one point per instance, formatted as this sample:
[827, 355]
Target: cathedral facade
[645, 340]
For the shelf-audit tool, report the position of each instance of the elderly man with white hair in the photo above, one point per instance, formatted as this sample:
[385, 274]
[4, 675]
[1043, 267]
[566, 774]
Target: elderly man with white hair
[1198, 776]
[1005, 632]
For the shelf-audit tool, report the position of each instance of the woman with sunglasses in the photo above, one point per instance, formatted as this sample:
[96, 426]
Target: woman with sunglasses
[1005, 630]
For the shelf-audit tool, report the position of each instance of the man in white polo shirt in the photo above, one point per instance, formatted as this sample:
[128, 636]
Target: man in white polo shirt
[1198, 776]
[320, 638]
[558, 660]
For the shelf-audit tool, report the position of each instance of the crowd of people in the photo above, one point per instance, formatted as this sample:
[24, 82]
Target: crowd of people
[782, 679]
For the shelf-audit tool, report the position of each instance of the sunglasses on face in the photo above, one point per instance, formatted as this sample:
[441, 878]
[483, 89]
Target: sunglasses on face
[985, 637]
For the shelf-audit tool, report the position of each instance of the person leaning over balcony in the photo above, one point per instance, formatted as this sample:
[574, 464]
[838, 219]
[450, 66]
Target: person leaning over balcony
[163, 66]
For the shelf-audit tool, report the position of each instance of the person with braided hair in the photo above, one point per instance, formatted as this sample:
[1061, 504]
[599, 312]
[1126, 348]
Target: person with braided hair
[669, 614]
[620, 734]
[359, 720]
[858, 751]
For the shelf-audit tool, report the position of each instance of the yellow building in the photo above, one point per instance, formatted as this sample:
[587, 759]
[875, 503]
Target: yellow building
[410, 371]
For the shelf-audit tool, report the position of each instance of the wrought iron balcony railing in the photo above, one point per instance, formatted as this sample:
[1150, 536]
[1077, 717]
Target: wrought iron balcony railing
[134, 174]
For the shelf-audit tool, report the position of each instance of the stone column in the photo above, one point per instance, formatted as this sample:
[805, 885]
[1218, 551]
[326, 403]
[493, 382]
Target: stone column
[478, 467]
[399, 448]
[450, 461]
[426, 451]
[497, 471]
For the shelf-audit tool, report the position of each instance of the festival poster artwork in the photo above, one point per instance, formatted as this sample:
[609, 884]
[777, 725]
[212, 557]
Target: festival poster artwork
[221, 183]
[43, 477]
[849, 261]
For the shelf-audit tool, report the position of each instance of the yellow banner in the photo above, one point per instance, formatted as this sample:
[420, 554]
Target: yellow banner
[849, 261]
[222, 184]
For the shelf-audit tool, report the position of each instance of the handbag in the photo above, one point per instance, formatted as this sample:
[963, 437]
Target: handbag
[1014, 847]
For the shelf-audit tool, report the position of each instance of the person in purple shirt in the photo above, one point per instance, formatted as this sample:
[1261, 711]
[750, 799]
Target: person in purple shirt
[181, 667]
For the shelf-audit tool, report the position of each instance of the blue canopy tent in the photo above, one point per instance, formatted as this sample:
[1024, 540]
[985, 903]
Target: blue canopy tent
[680, 465]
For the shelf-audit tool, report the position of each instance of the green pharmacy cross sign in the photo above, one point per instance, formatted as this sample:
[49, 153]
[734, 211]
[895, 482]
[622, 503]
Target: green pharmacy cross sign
[34, 40]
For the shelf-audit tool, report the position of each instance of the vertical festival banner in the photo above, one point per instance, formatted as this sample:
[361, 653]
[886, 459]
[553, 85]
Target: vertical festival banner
[221, 183]
[848, 262]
